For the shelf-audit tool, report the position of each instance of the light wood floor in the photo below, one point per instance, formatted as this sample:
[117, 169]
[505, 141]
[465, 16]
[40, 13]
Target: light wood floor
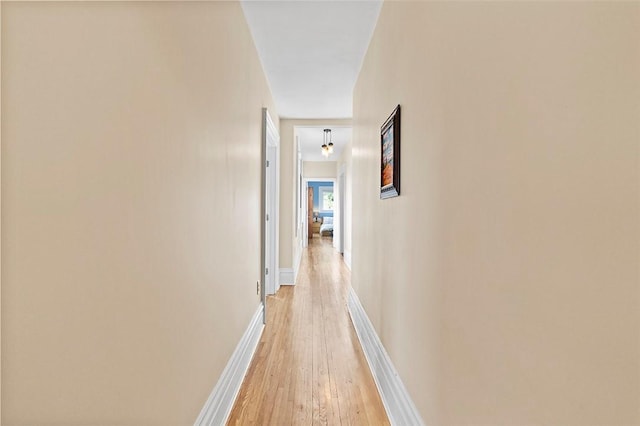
[309, 367]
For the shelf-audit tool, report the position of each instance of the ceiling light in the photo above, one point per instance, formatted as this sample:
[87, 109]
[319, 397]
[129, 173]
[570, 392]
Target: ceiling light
[327, 145]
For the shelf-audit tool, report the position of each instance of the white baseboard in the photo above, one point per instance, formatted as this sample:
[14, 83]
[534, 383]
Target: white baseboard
[287, 276]
[397, 402]
[218, 407]
[347, 258]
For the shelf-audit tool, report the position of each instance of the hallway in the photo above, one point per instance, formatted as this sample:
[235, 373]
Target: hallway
[309, 367]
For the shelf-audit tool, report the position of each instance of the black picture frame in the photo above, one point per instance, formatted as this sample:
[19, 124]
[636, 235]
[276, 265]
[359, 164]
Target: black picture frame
[390, 156]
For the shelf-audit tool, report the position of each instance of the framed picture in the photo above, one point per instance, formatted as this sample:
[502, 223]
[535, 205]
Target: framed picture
[390, 156]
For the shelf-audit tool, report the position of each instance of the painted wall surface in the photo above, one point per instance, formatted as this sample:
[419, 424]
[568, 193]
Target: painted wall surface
[316, 196]
[319, 169]
[290, 228]
[131, 144]
[287, 210]
[504, 281]
[345, 163]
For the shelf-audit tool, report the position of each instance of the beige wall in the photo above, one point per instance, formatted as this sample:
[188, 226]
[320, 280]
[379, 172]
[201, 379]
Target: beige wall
[287, 212]
[319, 169]
[504, 281]
[290, 243]
[131, 198]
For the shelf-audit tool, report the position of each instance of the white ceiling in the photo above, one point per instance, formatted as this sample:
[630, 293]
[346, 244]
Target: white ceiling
[311, 139]
[312, 52]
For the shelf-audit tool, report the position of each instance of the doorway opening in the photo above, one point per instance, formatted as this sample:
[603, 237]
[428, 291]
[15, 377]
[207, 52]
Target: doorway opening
[319, 207]
[313, 165]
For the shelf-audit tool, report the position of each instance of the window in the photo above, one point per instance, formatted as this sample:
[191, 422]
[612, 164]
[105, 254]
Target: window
[326, 198]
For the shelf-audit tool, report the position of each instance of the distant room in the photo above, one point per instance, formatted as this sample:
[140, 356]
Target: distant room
[323, 202]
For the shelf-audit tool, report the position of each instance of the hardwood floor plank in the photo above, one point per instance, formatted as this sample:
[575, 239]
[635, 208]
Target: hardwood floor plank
[309, 368]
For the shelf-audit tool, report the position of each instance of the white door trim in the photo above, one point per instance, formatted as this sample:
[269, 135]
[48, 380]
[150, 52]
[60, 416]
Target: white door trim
[270, 207]
[342, 200]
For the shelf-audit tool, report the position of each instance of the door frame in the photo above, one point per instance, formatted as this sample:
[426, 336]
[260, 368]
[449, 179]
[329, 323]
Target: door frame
[310, 195]
[342, 200]
[269, 209]
[305, 207]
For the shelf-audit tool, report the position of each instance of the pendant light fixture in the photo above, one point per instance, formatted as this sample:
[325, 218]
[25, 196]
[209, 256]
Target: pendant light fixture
[327, 145]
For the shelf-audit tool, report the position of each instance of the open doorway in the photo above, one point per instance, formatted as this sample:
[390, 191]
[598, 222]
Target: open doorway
[313, 163]
[319, 207]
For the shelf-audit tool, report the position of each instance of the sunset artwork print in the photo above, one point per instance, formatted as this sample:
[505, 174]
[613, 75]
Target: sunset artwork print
[390, 156]
[387, 157]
